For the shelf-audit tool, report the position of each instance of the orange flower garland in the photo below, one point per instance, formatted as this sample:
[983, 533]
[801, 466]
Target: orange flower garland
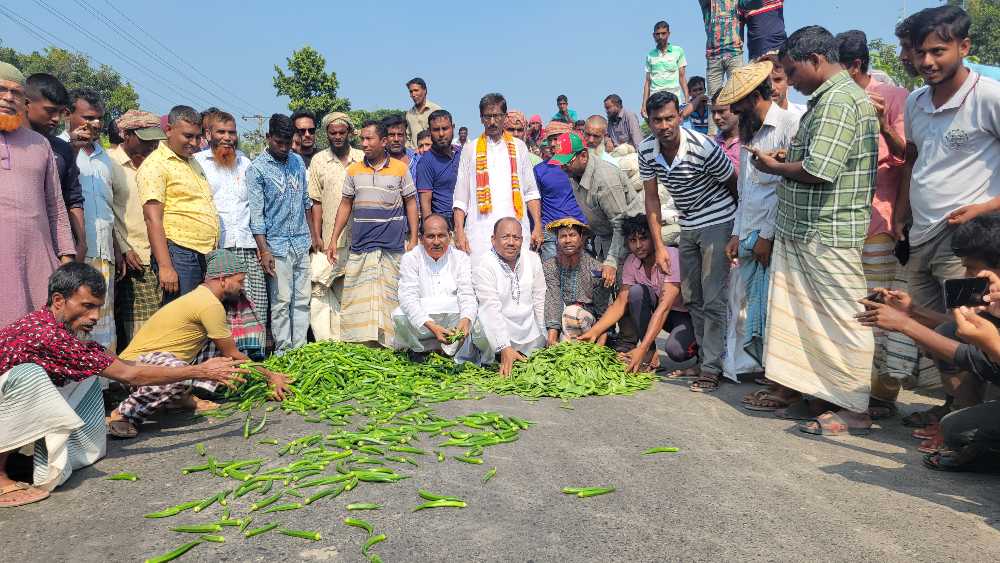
[484, 199]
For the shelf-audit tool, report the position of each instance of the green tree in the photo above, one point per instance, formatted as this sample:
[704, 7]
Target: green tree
[985, 30]
[75, 71]
[883, 57]
[252, 143]
[308, 85]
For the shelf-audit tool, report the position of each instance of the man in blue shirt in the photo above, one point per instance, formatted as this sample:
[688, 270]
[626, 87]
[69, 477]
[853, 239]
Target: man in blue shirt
[276, 186]
[437, 170]
[558, 201]
[695, 113]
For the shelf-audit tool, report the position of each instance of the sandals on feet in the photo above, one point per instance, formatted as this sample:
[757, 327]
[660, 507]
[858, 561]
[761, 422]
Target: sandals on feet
[121, 429]
[766, 400]
[706, 383]
[932, 445]
[928, 417]
[879, 409]
[20, 494]
[947, 460]
[800, 410]
[832, 424]
[926, 432]
[689, 373]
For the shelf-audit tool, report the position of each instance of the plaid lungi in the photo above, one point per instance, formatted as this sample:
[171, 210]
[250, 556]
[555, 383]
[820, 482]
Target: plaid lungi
[813, 344]
[255, 284]
[138, 297]
[370, 282]
[145, 400]
[576, 320]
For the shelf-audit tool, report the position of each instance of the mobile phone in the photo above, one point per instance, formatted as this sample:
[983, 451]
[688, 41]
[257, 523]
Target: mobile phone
[597, 274]
[875, 297]
[965, 292]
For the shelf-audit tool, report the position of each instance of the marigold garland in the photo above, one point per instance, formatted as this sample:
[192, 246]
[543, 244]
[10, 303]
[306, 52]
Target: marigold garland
[484, 198]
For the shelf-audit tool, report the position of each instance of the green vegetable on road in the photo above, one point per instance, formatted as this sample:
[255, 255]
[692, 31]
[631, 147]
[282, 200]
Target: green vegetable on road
[371, 542]
[358, 523]
[364, 506]
[173, 510]
[661, 450]
[441, 504]
[427, 495]
[171, 555]
[489, 475]
[306, 535]
[200, 449]
[584, 492]
[123, 477]
[198, 529]
[282, 507]
[261, 530]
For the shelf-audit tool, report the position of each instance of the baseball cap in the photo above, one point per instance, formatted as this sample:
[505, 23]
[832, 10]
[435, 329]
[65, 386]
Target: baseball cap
[145, 125]
[565, 147]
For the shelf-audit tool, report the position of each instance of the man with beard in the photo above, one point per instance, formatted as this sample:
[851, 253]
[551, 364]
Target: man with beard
[326, 183]
[101, 186]
[437, 304]
[463, 136]
[225, 167]
[510, 286]
[379, 199]
[437, 170]
[52, 400]
[495, 180]
[570, 283]
[952, 129]
[47, 102]
[418, 116]
[181, 220]
[304, 140]
[765, 126]
[177, 333]
[534, 137]
[623, 125]
[395, 127]
[824, 210]
[279, 202]
[34, 224]
[138, 290]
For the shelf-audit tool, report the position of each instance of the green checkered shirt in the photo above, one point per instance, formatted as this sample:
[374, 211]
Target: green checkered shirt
[837, 142]
[722, 27]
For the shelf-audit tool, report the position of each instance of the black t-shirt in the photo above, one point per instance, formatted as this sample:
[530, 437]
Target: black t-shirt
[69, 172]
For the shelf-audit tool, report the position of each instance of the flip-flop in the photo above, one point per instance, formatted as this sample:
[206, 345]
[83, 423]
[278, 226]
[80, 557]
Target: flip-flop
[931, 445]
[927, 432]
[930, 416]
[832, 424]
[36, 494]
[121, 429]
[881, 409]
[762, 380]
[946, 460]
[780, 402]
[750, 397]
[705, 383]
[681, 374]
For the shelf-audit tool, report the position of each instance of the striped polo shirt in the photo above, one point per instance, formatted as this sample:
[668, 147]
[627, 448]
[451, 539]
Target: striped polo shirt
[695, 179]
[378, 218]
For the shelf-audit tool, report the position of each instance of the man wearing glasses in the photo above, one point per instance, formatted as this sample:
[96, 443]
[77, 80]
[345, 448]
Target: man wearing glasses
[304, 139]
[495, 180]
[34, 224]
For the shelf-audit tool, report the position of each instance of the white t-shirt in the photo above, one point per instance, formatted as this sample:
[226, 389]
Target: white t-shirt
[958, 152]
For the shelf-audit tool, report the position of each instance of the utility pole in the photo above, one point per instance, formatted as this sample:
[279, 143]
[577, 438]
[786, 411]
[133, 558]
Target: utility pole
[260, 122]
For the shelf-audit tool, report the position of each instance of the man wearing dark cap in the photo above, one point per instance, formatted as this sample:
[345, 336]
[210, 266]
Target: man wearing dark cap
[279, 200]
[47, 102]
[138, 290]
[177, 333]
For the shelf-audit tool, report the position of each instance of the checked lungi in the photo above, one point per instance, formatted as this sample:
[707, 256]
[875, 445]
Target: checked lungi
[813, 343]
[104, 331]
[370, 283]
[255, 284]
[139, 296]
[144, 401]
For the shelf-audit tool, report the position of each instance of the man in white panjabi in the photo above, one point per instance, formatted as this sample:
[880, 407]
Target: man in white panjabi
[436, 299]
[510, 285]
[495, 180]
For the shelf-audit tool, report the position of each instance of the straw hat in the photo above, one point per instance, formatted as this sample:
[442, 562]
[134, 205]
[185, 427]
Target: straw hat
[743, 81]
[567, 222]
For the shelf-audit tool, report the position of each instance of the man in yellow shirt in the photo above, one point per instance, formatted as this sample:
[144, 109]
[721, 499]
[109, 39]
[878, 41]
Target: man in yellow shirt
[181, 220]
[176, 334]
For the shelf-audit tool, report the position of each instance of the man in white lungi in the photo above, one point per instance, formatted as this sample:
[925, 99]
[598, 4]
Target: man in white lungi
[49, 397]
[495, 180]
[437, 304]
[510, 286]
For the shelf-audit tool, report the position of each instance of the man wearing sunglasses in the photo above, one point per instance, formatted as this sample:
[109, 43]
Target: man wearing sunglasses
[34, 224]
[304, 139]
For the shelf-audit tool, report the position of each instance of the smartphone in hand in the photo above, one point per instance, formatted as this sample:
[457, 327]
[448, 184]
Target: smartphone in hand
[965, 292]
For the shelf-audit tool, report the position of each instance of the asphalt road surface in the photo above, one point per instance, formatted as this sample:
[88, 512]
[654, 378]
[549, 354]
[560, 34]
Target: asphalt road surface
[743, 488]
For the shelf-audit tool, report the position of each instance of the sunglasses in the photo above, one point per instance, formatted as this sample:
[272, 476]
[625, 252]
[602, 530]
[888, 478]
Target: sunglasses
[310, 130]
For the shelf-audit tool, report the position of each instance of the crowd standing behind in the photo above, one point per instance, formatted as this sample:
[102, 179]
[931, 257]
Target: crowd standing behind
[806, 247]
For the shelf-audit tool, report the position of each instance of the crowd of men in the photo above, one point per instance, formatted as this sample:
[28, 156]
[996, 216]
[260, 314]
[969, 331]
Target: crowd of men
[767, 239]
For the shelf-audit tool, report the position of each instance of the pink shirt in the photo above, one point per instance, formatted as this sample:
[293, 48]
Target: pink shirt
[732, 148]
[889, 172]
[634, 274]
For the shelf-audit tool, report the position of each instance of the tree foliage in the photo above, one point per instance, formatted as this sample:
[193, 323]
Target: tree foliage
[252, 143]
[883, 56]
[985, 31]
[308, 85]
[75, 71]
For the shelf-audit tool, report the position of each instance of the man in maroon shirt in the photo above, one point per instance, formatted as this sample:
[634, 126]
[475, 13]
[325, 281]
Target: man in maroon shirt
[48, 395]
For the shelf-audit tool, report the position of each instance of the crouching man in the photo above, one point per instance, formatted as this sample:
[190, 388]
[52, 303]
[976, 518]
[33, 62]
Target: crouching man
[49, 396]
[437, 304]
[510, 286]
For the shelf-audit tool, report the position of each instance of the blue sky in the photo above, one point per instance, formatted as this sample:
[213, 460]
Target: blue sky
[529, 51]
